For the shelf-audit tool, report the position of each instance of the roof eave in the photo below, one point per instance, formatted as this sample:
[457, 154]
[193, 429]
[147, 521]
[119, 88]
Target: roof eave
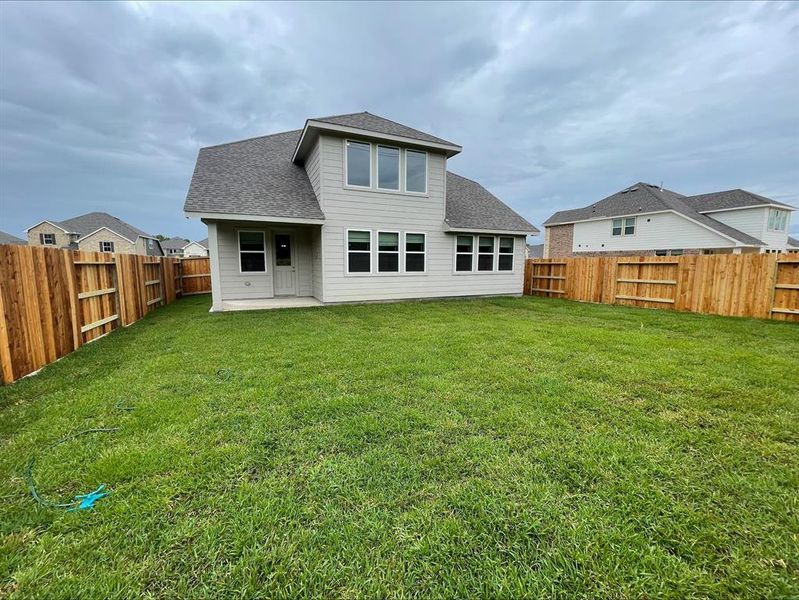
[242, 217]
[312, 128]
[458, 229]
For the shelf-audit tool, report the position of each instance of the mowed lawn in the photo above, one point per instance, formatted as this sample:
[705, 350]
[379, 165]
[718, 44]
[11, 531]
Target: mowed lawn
[503, 448]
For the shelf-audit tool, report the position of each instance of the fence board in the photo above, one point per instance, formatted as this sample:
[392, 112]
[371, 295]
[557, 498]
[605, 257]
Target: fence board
[743, 285]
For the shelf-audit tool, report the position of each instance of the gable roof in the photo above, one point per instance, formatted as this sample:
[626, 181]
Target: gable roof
[369, 122]
[253, 177]
[472, 207]
[204, 243]
[7, 238]
[643, 198]
[93, 221]
[174, 243]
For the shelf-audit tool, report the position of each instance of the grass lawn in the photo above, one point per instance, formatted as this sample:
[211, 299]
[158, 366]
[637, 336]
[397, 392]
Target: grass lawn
[514, 447]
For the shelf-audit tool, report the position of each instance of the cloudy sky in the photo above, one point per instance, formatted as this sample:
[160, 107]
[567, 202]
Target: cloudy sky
[104, 106]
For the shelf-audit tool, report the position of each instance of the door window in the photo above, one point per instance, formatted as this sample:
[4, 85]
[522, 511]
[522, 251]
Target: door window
[282, 250]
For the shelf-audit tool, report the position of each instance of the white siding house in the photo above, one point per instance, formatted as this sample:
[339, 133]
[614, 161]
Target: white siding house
[350, 209]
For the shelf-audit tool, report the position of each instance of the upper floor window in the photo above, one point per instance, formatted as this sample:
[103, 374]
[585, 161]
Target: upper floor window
[106, 246]
[625, 226]
[388, 168]
[416, 171]
[47, 239]
[777, 219]
[359, 164]
[252, 251]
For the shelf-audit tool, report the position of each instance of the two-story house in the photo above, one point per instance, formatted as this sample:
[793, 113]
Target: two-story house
[176, 246]
[96, 232]
[645, 219]
[351, 208]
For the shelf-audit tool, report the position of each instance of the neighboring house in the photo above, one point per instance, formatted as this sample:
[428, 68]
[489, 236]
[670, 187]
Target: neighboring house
[7, 238]
[646, 219]
[181, 247]
[534, 251]
[96, 231]
[351, 208]
[793, 245]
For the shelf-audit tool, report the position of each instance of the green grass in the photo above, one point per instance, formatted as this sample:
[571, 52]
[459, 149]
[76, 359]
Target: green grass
[511, 447]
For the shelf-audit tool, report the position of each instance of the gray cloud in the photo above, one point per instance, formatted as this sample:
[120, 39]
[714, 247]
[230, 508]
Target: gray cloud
[104, 106]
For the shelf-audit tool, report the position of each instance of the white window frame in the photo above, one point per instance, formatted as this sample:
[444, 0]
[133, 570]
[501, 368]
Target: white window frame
[493, 254]
[778, 216]
[404, 167]
[240, 251]
[623, 226]
[405, 252]
[472, 254]
[347, 183]
[398, 189]
[45, 236]
[103, 247]
[347, 252]
[512, 253]
[379, 252]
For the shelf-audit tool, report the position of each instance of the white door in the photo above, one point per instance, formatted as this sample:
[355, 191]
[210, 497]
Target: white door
[285, 268]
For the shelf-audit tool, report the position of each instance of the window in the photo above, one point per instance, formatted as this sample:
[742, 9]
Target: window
[252, 252]
[359, 164]
[150, 244]
[485, 253]
[505, 260]
[388, 168]
[464, 251]
[106, 246]
[676, 252]
[414, 252]
[359, 252]
[777, 219]
[47, 239]
[387, 252]
[624, 226]
[661, 252]
[282, 250]
[415, 171]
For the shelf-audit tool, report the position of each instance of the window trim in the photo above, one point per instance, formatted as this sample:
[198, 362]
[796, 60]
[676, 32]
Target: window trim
[240, 251]
[405, 252]
[399, 169]
[493, 254]
[44, 236]
[426, 172]
[347, 251]
[512, 253]
[476, 253]
[623, 226]
[472, 253]
[398, 252]
[347, 183]
[107, 242]
[778, 214]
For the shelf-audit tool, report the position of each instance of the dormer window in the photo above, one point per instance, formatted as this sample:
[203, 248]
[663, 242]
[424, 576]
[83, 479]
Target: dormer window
[388, 168]
[359, 164]
[416, 172]
[777, 219]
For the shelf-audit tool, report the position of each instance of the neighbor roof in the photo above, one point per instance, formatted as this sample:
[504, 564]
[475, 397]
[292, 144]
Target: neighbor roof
[793, 242]
[471, 206]
[647, 198]
[91, 222]
[535, 250]
[7, 238]
[730, 199]
[204, 243]
[253, 177]
[174, 243]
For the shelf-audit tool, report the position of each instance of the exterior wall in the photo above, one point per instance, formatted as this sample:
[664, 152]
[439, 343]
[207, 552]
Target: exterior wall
[313, 168]
[751, 221]
[143, 247]
[393, 211]
[194, 249]
[317, 252]
[652, 232]
[558, 240]
[235, 285]
[62, 239]
[92, 242]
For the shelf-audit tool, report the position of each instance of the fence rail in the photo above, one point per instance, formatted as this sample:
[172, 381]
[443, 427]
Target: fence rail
[742, 285]
[53, 301]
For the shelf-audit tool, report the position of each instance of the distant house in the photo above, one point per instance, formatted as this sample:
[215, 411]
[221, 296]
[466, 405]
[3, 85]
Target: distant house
[351, 208]
[793, 245]
[95, 231]
[181, 247]
[7, 238]
[645, 219]
[534, 251]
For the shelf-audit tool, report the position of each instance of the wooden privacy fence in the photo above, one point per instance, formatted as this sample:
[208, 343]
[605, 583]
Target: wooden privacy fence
[741, 285]
[52, 301]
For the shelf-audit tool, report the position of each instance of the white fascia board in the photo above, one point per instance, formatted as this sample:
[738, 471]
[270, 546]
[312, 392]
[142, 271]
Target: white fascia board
[260, 218]
[449, 149]
[107, 229]
[49, 223]
[749, 207]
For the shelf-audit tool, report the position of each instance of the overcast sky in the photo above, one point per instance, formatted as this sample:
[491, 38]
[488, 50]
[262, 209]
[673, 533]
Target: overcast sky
[104, 106]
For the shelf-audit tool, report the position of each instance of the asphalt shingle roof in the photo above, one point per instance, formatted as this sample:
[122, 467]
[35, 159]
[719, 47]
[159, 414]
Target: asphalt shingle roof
[729, 199]
[86, 224]
[793, 242]
[7, 238]
[253, 177]
[471, 206]
[647, 198]
[204, 243]
[370, 122]
[173, 243]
